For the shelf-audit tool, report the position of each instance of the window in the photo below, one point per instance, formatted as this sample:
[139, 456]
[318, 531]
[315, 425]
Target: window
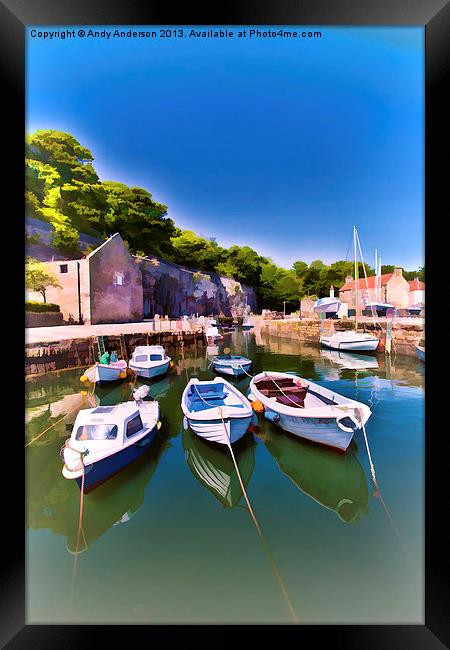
[155, 357]
[134, 425]
[96, 432]
[141, 357]
[63, 268]
[118, 279]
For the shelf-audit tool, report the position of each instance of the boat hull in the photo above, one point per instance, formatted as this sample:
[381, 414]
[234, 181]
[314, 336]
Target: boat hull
[360, 345]
[102, 470]
[150, 372]
[323, 431]
[213, 430]
[233, 371]
[420, 351]
[105, 373]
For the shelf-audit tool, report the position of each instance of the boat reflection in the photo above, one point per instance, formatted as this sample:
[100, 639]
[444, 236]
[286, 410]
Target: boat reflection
[212, 466]
[335, 481]
[54, 505]
[349, 360]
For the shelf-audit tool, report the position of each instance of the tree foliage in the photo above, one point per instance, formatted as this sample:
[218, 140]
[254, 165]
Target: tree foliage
[37, 278]
[63, 188]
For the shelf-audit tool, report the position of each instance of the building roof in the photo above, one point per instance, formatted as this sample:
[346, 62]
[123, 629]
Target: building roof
[370, 282]
[416, 285]
[384, 280]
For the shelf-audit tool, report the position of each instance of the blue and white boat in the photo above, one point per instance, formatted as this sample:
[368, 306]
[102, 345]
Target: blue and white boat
[149, 361]
[420, 351]
[102, 372]
[231, 364]
[308, 410]
[106, 439]
[216, 410]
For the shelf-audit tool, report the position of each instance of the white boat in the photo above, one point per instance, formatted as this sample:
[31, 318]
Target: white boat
[106, 372]
[106, 439]
[420, 351]
[149, 361]
[350, 341]
[231, 364]
[216, 410]
[212, 334]
[327, 305]
[308, 410]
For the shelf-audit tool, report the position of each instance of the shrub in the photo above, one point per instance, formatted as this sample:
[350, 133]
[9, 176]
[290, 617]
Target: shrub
[33, 305]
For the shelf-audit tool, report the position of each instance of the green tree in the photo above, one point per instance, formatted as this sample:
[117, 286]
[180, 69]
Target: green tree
[37, 278]
[138, 218]
[195, 251]
[299, 267]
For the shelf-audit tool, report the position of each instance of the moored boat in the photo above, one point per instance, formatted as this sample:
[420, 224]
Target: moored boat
[231, 364]
[350, 341]
[420, 351]
[106, 439]
[149, 361]
[308, 410]
[106, 372]
[216, 410]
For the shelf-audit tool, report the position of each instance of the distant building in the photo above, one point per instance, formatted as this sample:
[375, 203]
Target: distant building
[110, 285]
[395, 290]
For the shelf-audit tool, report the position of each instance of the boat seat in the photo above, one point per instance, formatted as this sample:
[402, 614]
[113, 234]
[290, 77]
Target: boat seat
[293, 400]
[207, 395]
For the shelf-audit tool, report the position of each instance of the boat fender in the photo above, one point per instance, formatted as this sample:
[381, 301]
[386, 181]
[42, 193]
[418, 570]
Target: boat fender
[122, 375]
[272, 416]
[185, 424]
[171, 364]
[83, 379]
[159, 425]
[257, 406]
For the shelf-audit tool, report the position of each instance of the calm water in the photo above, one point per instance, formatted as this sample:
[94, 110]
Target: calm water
[170, 539]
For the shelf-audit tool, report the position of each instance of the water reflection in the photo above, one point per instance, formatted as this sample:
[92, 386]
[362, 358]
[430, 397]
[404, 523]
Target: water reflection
[335, 481]
[53, 502]
[213, 468]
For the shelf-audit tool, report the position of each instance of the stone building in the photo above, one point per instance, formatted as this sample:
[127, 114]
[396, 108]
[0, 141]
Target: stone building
[395, 290]
[109, 285]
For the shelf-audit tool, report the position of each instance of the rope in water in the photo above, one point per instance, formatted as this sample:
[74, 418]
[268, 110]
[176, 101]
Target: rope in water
[379, 495]
[80, 517]
[51, 426]
[255, 521]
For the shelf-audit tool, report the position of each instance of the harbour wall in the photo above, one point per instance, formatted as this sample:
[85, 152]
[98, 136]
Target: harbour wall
[41, 358]
[405, 336]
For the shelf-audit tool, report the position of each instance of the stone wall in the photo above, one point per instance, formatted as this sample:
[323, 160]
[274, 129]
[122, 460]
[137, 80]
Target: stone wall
[116, 294]
[405, 336]
[177, 291]
[67, 295]
[43, 319]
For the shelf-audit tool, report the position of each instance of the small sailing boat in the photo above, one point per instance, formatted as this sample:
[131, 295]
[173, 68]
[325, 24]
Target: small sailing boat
[149, 361]
[346, 339]
[308, 410]
[231, 364]
[212, 333]
[106, 439]
[216, 410]
[246, 324]
[213, 467]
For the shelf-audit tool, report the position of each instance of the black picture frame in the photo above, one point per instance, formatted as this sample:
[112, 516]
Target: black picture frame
[15, 15]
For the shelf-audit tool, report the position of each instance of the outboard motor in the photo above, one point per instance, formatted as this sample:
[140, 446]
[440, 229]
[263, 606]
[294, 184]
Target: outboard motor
[140, 393]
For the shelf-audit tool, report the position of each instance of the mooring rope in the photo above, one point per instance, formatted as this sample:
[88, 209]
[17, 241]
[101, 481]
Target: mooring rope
[80, 518]
[252, 514]
[52, 425]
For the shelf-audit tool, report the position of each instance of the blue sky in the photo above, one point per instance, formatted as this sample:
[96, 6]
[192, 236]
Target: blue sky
[278, 144]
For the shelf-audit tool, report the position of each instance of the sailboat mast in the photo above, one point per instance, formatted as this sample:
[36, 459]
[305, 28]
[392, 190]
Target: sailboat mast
[356, 280]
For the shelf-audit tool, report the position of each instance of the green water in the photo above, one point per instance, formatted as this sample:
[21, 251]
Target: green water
[170, 539]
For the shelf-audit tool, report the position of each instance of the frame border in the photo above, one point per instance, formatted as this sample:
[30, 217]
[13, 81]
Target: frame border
[15, 15]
